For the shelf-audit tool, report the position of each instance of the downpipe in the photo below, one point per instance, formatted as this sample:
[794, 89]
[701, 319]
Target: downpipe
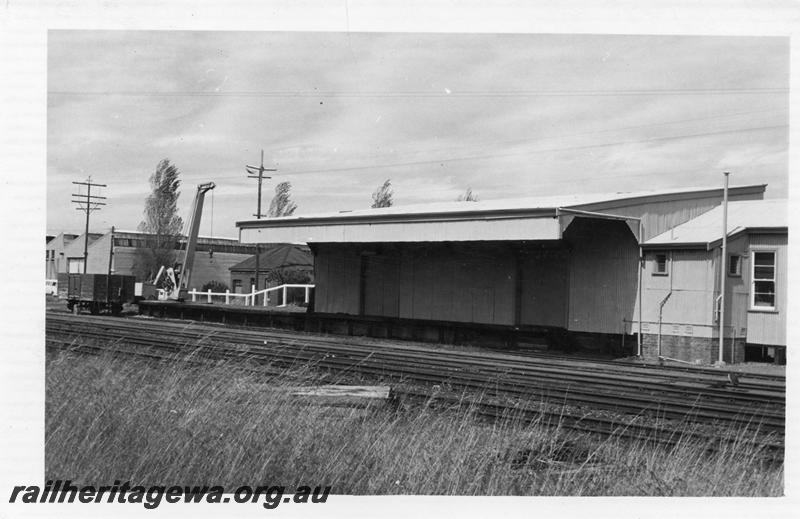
[660, 317]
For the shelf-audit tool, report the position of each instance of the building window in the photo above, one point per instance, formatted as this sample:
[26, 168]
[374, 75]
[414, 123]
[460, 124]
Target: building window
[762, 287]
[237, 286]
[660, 265]
[735, 265]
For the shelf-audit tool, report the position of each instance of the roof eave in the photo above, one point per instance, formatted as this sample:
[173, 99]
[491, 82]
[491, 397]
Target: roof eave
[749, 230]
[421, 217]
[677, 245]
[664, 197]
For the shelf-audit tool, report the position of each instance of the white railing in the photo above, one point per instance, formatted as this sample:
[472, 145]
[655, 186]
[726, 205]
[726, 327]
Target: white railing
[251, 298]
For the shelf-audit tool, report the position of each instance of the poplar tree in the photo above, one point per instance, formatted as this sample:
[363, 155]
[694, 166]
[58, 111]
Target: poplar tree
[281, 204]
[161, 222]
[382, 197]
[468, 196]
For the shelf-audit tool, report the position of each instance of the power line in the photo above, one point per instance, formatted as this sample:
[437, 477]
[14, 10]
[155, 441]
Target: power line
[88, 205]
[427, 94]
[575, 134]
[493, 143]
[530, 152]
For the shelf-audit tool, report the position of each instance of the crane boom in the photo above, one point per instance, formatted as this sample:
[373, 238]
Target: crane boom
[191, 239]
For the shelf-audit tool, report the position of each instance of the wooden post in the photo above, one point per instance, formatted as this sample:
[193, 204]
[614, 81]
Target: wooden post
[284, 295]
[110, 261]
[194, 295]
[227, 296]
[516, 255]
[258, 248]
[308, 289]
[362, 285]
[209, 295]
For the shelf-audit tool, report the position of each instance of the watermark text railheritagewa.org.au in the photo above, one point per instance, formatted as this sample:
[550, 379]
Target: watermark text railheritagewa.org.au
[151, 497]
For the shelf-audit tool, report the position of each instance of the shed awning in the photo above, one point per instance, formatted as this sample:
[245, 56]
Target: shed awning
[524, 219]
[483, 229]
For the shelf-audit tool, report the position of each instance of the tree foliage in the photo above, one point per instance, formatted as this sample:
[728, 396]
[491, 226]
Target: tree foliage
[215, 286]
[161, 221]
[281, 204]
[468, 196]
[382, 197]
[289, 275]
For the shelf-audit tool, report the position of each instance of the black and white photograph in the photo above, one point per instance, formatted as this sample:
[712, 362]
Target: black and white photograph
[299, 264]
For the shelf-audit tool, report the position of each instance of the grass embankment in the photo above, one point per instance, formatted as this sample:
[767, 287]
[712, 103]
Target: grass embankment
[157, 423]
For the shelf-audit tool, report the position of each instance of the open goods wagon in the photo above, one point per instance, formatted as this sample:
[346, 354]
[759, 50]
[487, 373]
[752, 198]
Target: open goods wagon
[99, 292]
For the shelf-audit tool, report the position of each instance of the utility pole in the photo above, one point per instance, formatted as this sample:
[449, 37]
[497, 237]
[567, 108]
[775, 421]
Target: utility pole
[88, 205]
[252, 174]
[252, 170]
[723, 262]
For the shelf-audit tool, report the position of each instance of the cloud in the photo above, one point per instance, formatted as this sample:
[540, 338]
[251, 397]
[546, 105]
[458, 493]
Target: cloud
[337, 114]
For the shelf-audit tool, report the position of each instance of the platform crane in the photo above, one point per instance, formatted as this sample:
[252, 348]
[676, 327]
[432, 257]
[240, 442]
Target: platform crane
[177, 284]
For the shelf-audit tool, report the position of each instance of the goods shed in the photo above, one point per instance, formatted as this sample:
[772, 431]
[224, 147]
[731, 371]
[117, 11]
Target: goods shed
[278, 264]
[566, 263]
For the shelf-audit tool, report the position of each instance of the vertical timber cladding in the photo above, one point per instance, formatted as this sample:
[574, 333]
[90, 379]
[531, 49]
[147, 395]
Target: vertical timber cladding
[544, 285]
[770, 327]
[337, 278]
[440, 281]
[472, 282]
[603, 278]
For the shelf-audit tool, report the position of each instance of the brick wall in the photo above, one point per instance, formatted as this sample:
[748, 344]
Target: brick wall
[691, 349]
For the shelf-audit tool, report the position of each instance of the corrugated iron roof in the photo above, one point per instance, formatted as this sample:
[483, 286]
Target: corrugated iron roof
[707, 228]
[528, 203]
[130, 234]
[277, 256]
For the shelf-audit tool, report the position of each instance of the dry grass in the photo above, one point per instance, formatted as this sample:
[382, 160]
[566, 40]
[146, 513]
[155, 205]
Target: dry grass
[156, 423]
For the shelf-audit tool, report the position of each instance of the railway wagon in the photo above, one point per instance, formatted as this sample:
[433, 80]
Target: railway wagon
[99, 292]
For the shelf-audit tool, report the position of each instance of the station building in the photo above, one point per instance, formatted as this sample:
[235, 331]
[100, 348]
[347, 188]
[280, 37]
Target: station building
[682, 285]
[117, 251]
[275, 265]
[566, 267]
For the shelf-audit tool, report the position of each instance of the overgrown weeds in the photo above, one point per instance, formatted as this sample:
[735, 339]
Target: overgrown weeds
[110, 418]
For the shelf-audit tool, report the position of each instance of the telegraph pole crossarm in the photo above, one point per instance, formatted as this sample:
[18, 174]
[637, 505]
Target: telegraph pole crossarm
[89, 203]
[258, 172]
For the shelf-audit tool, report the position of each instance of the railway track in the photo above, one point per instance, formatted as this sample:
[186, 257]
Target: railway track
[503, 381]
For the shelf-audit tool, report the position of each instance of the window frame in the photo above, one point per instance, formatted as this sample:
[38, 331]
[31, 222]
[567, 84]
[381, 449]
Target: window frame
[738, 272]
[773, 280]
[667, 259]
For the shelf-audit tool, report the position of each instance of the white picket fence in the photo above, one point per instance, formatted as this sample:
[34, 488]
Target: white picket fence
[250, 298]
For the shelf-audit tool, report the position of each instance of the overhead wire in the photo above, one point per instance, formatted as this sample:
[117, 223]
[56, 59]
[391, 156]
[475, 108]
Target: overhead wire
[592, 132]
[547, 150]
[425, 93]
[531, 152]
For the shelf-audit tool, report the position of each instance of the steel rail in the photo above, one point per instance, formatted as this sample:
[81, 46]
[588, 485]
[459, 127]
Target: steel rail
[522, 374]
[660, 433]
[505, 361]
[378, 365]
[508, 377]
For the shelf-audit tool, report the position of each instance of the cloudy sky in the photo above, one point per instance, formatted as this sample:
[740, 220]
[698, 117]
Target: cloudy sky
[338, 113]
